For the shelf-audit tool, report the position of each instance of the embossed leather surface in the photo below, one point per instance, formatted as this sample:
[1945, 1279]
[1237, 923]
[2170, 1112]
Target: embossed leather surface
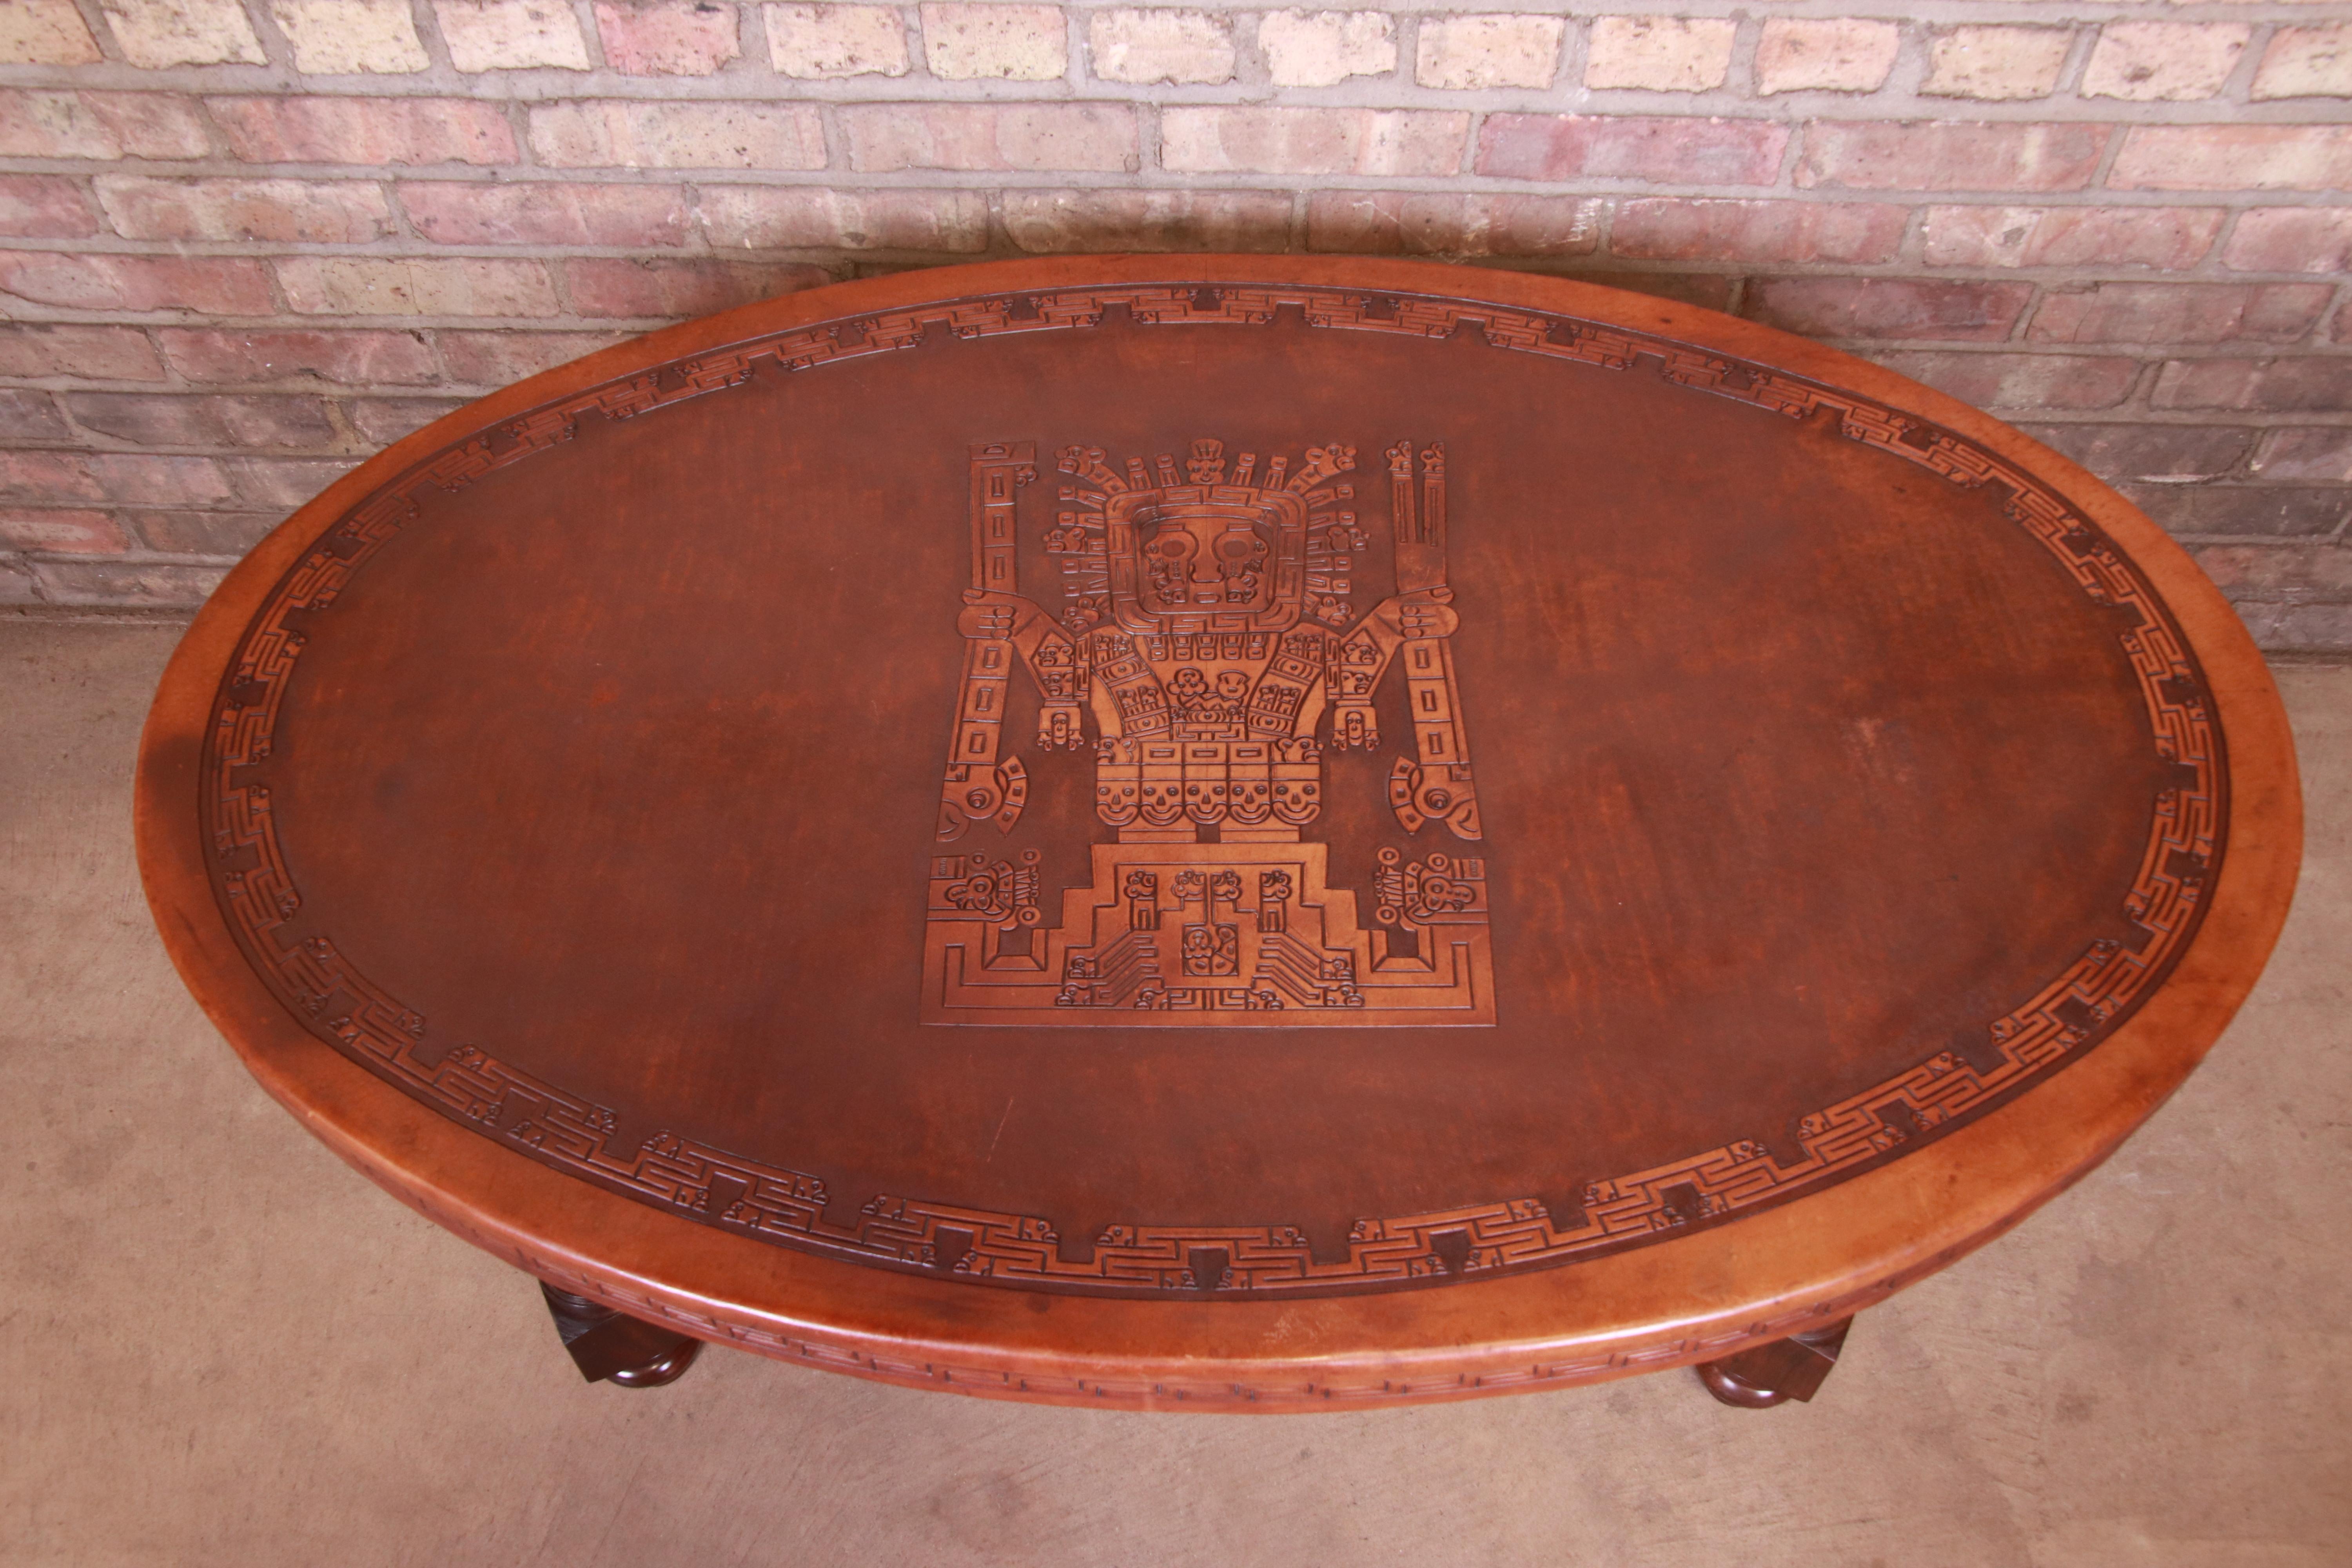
[1221, 791]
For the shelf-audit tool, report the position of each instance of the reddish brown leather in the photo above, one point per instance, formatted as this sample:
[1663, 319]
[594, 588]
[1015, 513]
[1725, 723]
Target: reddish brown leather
[1837, 776]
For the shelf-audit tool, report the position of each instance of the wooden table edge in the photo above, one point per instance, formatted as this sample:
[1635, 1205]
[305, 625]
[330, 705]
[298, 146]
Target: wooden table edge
[1760, 1277]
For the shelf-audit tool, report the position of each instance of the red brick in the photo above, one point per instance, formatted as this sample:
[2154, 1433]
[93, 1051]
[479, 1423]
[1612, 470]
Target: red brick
[2265, 572]
[2171, 239]
[684, 37]
[2320, 452]
[67, 532]
[44, 206]
[2233, 158]
[793, 218]
[204, 532]
[93, 353]
[2258, 512]
[29, 415]
[366, 130]
[636, 134]
[1949, 155]
[132, 584]
[2291, 239]
[1662, 230]
[2312, 384]
[497, 359]
[2309, 628]
[347, 212]
[1302, 141]
[16, 584]
[622, 288]
[352, 358]
[283, 482]
[380, 421]
[1667, 148]
[2011, 380]
[886, 137]
[149, 419]
[144, 477]
[1058, 222]
[36, 124]
[476, 213]
[1413, 223]
[2163, 454]
[223, 286]
[2180, 313]
[47, 477]
[1710, 290]
[1889, 307]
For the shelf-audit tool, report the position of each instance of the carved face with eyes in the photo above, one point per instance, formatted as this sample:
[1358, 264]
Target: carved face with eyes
[1200, 563]
[1202, 556]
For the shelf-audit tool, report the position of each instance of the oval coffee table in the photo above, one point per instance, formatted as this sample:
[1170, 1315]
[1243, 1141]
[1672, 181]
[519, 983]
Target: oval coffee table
[1220, 832]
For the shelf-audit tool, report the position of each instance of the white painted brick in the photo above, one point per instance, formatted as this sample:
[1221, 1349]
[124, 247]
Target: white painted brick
[399, 285]
[511, 34]
[344, 37]
[1660, 53]
[1469, 52]
[2176, 60]
[1997, 63]
[44, 33]
[1009, 43]
[822, 42]
[1160, 46]
[154, 34]
[2306, 62]
[1836, 54]
[1323, 48]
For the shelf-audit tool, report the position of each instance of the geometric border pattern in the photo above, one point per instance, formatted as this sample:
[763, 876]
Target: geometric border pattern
[2067, 1016]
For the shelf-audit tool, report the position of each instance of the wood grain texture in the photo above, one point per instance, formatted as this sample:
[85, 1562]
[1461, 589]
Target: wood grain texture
[1620, 1262]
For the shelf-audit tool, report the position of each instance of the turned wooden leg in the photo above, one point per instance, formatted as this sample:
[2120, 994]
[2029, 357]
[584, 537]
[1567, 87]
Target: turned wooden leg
[1768, 1375]
[610, 1346]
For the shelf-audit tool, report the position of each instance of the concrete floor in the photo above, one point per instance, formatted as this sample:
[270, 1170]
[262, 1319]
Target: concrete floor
[222, 1346]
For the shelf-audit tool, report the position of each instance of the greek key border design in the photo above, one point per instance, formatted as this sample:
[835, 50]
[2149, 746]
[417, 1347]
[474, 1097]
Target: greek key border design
[2068, 1017]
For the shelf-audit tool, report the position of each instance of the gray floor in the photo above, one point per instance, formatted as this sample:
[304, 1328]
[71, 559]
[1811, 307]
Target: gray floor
[222, 1346]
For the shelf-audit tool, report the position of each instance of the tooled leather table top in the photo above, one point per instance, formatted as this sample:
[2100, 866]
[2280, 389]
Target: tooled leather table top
[1232, 790]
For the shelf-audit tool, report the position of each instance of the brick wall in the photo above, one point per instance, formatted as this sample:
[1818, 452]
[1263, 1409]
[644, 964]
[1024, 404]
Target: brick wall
[250, 241]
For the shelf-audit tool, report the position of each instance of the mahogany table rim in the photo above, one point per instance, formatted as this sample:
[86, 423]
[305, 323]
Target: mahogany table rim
[1704, 1295]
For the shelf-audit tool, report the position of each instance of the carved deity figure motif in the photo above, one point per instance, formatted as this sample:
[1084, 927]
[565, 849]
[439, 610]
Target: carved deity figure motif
[1209, 654]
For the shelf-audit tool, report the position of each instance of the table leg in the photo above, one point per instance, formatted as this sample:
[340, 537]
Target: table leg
[608, 1345]
[1782, 1370]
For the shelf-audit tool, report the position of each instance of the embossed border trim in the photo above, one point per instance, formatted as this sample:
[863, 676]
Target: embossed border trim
[2066, 1018]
